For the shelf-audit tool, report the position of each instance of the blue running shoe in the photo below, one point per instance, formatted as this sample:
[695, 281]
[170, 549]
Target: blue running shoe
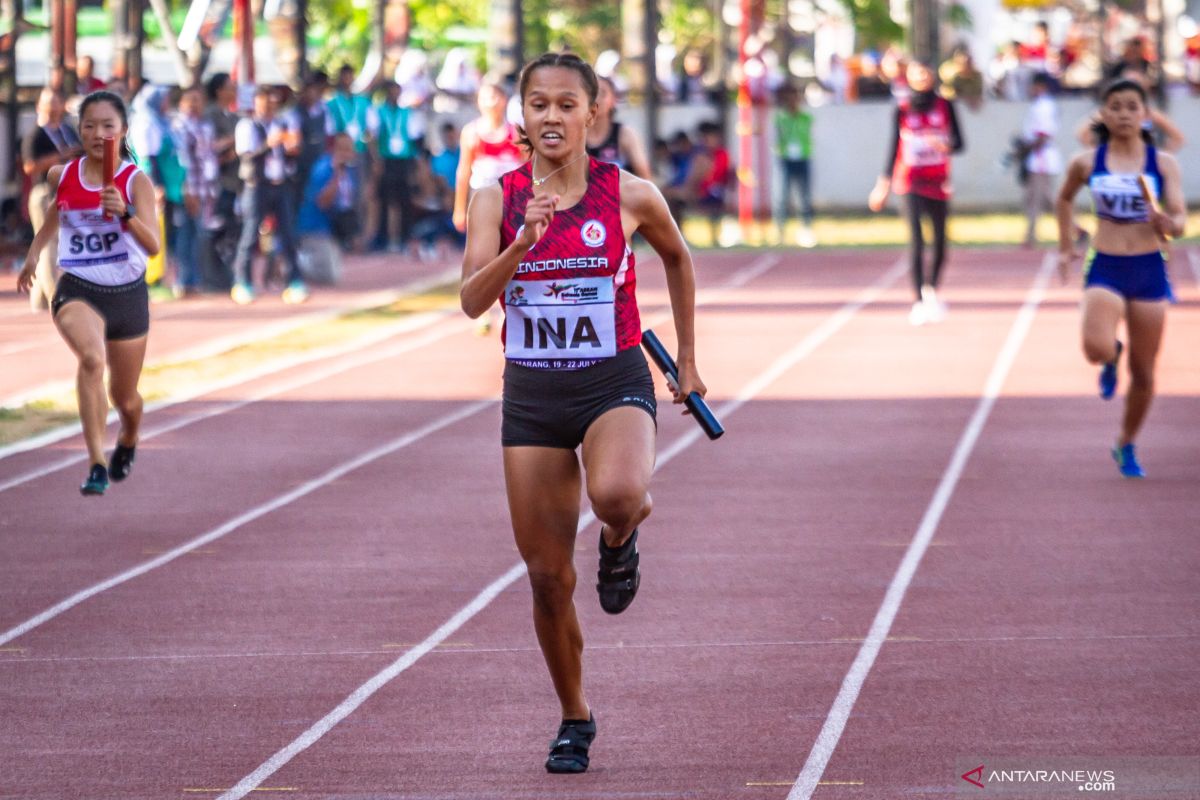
[97, 480]
[1127, 462]
[1108, 375]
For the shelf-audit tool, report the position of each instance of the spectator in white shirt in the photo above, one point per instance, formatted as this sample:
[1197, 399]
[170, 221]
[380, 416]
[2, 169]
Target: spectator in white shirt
[1043, 162]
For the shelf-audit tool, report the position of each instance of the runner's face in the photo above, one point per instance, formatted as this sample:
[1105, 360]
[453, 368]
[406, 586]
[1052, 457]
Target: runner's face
[920, 78]
[557, 113]
[1123, 113]
[99, 122]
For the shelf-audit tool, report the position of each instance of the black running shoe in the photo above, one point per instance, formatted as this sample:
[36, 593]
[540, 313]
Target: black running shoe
[618, 578]
[97, 481]
[569, 750]
[120, 463]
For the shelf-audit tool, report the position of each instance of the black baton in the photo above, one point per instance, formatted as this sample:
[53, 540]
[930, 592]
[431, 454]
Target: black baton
[694, 402]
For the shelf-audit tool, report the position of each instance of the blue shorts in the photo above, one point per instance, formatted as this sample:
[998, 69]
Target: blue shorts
[1140, 277]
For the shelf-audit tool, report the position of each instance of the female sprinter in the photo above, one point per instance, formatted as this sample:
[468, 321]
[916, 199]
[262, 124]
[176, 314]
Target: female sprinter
[101, 307]
[609, 140]
[1125, 272]
[924, 136]
[552, 240]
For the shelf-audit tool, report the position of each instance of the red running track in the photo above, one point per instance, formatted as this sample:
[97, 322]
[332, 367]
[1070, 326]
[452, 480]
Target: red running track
[1054, 611]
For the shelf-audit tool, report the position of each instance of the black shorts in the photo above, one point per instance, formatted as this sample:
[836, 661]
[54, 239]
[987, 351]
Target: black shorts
[554, 408]
[125, 309]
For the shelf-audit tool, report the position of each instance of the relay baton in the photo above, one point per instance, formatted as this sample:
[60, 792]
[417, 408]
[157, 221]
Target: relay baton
[694, 402]
[110, 161]
[1148, 196]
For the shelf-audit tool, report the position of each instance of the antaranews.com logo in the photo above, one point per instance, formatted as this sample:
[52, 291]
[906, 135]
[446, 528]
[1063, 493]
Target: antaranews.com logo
[1078, 776]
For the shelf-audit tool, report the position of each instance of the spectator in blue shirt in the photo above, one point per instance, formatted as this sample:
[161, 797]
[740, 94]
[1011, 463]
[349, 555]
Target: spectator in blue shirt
[445, 163]
[328, 222]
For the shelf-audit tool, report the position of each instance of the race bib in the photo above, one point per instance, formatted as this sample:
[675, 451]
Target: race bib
[1119, 197]
[925, 149]
[87, 238]
[396, 144]
[560, 324]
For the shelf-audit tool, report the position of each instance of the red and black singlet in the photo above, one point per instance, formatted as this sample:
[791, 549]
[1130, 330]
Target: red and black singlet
[922, 163]
[571, 302]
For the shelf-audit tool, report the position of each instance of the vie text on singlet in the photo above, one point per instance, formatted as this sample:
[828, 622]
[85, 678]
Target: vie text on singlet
[1117, 196]
[572, 300]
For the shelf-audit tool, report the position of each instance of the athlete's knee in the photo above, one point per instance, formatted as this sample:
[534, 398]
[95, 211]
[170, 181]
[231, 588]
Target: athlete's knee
[1099, 351]
[618, 502]
[91, 363]
[553, 587]
[128, 406]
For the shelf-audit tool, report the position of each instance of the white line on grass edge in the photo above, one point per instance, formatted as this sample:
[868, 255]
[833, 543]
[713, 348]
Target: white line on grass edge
[360, 695]
[839, 713]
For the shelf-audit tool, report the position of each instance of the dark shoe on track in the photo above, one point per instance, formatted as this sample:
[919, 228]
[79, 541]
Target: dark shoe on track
[120, 463]
[618, 578]
[1108, 375]
[569, 750]
[97, 481]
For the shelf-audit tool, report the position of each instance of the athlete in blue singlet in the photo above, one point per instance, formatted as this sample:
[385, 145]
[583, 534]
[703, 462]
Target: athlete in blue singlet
[1125, 271]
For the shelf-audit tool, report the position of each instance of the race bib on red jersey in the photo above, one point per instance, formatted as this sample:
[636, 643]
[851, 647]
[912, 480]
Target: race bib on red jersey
[561, 324]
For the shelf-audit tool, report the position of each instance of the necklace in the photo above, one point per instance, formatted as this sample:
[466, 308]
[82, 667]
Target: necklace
[542, 181]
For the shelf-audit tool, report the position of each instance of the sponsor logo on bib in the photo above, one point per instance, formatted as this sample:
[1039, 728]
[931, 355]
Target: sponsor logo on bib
[593, 233]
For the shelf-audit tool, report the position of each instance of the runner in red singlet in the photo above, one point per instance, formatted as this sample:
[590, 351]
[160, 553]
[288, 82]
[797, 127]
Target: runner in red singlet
[101, 306]
[553, 242]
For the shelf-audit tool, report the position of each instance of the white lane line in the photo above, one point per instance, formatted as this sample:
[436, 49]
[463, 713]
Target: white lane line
[743, 276]
[359, 344]
[758, 267]
[360, 695]
[839, 713]
[261, 510]
[268, 330]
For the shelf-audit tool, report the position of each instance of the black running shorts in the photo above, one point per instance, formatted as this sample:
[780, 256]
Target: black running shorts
[125, 309]
[554, 408]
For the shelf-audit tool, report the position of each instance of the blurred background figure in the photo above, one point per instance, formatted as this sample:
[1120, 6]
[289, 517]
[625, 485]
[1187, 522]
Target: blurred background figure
[610, 141]
[1044, 161]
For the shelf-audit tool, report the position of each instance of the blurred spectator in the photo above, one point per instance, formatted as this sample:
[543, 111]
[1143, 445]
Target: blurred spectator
[445, 163]
[892, 68]
[328, 222]
[456, 83]
[708, 177]
[267, 149]
[1135, 55]
[316, 127]
[432, 204]
[86, 81]
[694, 84]
[397, 152]
[193, 137]
[960, 78]
[53, 141]
[1004, 72]
[1044, 162]
[352, 114]
[871, 84]
[1035, 53]
[155, 152]
[839, 79]
[224, 224]
[793, 142]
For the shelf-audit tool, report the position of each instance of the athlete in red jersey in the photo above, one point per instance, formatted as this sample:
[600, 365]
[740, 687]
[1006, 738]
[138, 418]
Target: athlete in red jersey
[554, 244]
[925, 135]
[101, 307]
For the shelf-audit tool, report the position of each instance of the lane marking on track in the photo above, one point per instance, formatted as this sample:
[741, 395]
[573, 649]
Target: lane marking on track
[306, 488]
[822, 783]
[267, 330]
[757, 268]
[807, 344]
[361, 346]
[457, 650]
[740, 278]
[839, 713]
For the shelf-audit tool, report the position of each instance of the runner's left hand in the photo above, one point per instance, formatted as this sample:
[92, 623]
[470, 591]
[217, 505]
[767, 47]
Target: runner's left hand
[689, 381]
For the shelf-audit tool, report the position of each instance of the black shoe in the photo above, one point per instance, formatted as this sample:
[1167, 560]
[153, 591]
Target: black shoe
[120, 463]
[97, 481]
[569, 750]
[618, 578]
